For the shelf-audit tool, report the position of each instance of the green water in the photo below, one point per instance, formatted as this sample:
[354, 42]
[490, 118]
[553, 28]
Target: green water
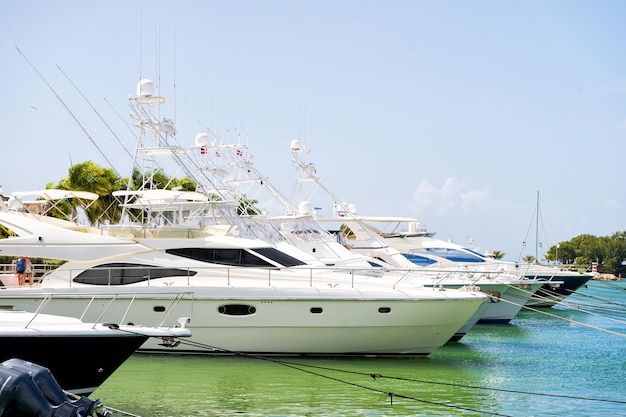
[518, 369]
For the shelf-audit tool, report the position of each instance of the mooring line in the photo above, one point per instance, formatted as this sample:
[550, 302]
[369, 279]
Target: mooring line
[298, 367]
[569, 320]
[374, 376]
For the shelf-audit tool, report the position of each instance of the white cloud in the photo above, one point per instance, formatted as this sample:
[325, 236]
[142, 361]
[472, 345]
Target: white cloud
[610, 204]
[473, 199]
[450, 197]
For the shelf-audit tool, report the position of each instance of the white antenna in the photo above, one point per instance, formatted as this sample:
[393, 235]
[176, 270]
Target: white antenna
[140, 43]
[174, 100]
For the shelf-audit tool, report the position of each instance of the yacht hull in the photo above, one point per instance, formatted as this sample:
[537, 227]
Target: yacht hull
[79, 363]
[556, 288]
[342, 324]
[81, 355]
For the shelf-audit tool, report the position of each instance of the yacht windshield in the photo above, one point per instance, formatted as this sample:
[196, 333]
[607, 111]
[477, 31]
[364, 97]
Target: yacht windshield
[451, 254]
[419, 260]
[237, 257]
[279, 256]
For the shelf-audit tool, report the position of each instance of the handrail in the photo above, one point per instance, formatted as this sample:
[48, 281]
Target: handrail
[177, 296]
[301, 275]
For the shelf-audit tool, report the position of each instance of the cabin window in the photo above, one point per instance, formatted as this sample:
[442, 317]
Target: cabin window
[236, 309]
[316, 310]
[384, 310]
[127, 273]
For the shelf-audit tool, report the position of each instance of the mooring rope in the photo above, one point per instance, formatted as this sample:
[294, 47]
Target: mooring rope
[299, 367]
[569, 320]
[375, 376]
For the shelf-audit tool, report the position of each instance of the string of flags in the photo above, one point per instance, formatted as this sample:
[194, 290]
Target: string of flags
[204, 151]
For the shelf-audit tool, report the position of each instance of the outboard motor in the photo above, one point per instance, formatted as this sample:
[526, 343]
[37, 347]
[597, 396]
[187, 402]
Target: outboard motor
[28, 389]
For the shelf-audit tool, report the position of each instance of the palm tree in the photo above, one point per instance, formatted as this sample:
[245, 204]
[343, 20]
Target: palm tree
[529, 259]
[89, 176]
[496, 254]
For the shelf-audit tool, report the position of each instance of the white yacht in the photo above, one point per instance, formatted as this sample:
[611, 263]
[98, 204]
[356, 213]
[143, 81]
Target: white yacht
[242, 295]
[419, 246]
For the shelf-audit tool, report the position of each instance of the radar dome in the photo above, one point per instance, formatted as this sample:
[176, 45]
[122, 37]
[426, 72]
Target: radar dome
[145, 88]
[305, 208]
[202, 140]
[295, 145]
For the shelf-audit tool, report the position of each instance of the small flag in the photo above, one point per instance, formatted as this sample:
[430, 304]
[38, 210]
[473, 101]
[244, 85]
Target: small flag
[217, 154]
[203, 151]
[239, 153]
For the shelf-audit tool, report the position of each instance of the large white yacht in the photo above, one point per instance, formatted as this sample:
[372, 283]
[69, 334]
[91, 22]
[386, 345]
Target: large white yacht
[242, 295]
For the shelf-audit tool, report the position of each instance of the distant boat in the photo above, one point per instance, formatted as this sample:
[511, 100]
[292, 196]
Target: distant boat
[420, 247]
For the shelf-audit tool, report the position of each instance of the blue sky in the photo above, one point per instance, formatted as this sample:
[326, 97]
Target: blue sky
[454, 112]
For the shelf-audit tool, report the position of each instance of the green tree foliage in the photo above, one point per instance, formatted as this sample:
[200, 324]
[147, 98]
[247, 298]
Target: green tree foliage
[496, 254]
[89, 176]
[247, 206]
[157, 179]
[609, 252]
[4, 232]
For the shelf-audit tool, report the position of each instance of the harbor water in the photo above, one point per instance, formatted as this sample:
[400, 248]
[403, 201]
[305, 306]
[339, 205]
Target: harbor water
[563, 361]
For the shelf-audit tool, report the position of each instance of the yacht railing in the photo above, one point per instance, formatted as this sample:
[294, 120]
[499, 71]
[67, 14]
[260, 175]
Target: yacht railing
[299, 276]
[39, 270]
[110, 298]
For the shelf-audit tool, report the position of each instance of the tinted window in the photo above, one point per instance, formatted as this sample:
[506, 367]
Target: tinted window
[127, 273]
[279, 257]
[452, 254]
[231, 257]
[419, 260]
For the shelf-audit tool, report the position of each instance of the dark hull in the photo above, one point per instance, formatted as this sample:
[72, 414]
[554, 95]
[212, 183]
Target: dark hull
[550, 294]
[79, 364]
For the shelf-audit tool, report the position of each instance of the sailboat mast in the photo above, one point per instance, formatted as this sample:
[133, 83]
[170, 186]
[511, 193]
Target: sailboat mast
[537, 232]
